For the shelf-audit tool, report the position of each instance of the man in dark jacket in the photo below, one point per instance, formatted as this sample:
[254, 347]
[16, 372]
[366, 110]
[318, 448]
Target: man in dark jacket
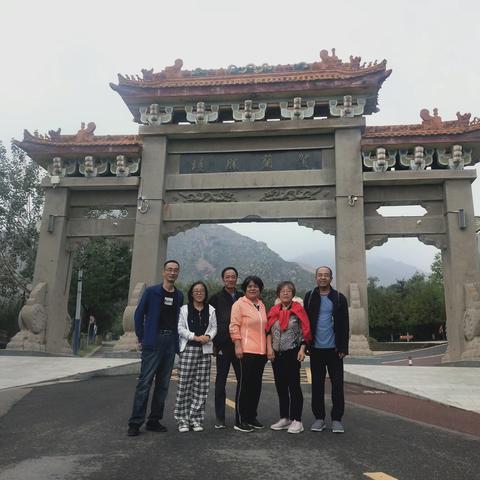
[328, 314]
[156, 326]
[222, 301]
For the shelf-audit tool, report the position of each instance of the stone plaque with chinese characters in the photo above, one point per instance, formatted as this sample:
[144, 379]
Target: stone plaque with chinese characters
[251, 161]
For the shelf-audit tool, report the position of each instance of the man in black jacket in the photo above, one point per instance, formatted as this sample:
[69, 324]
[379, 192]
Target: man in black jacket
[222, 301]
[328, 314]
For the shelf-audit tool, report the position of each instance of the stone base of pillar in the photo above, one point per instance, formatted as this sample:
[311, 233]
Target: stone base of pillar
[358, 346]
[128, 342]
[472, 350]
[27, 341]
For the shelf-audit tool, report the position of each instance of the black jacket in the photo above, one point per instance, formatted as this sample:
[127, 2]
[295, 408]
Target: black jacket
[311, 303]
[222, 301]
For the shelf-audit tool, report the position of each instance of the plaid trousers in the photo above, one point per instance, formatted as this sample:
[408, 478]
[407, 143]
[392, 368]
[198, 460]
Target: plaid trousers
[193, 386]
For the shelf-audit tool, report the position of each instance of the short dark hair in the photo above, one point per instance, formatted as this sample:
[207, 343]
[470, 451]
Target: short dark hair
[170, 261]
[324, 266]
[286, 283]
[190, 291]
[252, 278]
[229, 268]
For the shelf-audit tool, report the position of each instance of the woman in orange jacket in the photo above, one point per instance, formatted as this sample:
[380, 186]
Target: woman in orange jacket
[247, 329]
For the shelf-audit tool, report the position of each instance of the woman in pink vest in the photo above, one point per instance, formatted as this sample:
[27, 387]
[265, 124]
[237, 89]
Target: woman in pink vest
[247, 329]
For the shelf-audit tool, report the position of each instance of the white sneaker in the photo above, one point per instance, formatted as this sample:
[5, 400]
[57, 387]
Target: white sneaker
[183, 428]
[295, 427]
[197, 427]
[282, 424]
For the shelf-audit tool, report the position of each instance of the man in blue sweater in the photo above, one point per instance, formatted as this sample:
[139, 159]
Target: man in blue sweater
[327, 311]
[156, 326]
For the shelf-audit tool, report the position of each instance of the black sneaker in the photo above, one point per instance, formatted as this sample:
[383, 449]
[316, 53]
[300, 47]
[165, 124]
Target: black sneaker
[155, 427]
[133, 430]
[256, 424]
[243, 427]
[220, 424]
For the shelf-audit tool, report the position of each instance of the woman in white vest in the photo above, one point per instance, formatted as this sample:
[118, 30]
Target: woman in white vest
[197, 325]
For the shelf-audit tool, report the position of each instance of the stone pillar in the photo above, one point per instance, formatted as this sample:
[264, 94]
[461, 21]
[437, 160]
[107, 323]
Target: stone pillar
[149, 243]
[351, 270]
[44, 321]
[461, 275]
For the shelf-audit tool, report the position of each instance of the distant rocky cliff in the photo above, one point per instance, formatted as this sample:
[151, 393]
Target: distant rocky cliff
[204, 251]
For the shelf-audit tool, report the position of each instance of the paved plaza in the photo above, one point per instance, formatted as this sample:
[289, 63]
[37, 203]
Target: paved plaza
[66, 418]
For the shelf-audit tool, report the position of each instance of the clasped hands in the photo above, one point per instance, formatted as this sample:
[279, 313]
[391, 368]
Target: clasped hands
[203, 339]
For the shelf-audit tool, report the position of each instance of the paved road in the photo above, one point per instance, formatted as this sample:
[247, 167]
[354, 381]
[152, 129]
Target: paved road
[78, 431]
[422, 357]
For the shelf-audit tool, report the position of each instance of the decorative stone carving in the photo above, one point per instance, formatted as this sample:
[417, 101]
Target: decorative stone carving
[457, 159]
[421, 158]
[59, 167]
[279, 194]
[347, 110]
[325, 225]
[375, 241]
[128, 342]
[201, 115]
[429, 121]
[358, 344]
[297, 112]
[471, 317]
[124, 167]
[86, 134]
[196, 197]
[438, 240]
[171, 229]
[379, 162]
[152, 115]
[92, 167]
[32, 321]
[248, 113]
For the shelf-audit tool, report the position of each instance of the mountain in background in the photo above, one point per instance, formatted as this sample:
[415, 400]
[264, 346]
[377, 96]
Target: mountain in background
[204, 251]
[387, 270]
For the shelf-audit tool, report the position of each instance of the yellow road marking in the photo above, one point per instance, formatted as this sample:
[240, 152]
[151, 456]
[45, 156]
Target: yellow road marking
[379, 476]
[230, 403]
[309, 375]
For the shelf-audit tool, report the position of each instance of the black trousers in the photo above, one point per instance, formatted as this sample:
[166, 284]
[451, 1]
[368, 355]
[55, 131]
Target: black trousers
[225, 358]
[250, 386]
[322, 359]
[286, 371]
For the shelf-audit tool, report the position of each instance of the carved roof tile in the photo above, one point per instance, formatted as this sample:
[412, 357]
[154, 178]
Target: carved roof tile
[432, 125]
[329, 67]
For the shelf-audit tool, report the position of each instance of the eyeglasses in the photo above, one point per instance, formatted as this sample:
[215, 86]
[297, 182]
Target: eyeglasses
[171, 270]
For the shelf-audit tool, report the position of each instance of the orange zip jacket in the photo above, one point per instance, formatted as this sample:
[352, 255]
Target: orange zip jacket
[248, 325]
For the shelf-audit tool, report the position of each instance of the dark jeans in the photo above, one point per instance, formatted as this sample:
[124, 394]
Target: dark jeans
[248, 394]
[225, 358]
[322, 359]
[286, 370]
[157, 362]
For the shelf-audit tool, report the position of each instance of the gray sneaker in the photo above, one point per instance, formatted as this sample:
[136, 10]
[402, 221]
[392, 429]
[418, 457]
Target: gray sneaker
[337, 427]
[318, 425]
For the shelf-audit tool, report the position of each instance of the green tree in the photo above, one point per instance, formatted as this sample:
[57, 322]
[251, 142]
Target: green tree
[106, 276]
[21, 201]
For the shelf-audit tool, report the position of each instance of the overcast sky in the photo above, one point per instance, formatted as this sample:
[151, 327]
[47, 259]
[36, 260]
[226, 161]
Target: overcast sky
[58, 58]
